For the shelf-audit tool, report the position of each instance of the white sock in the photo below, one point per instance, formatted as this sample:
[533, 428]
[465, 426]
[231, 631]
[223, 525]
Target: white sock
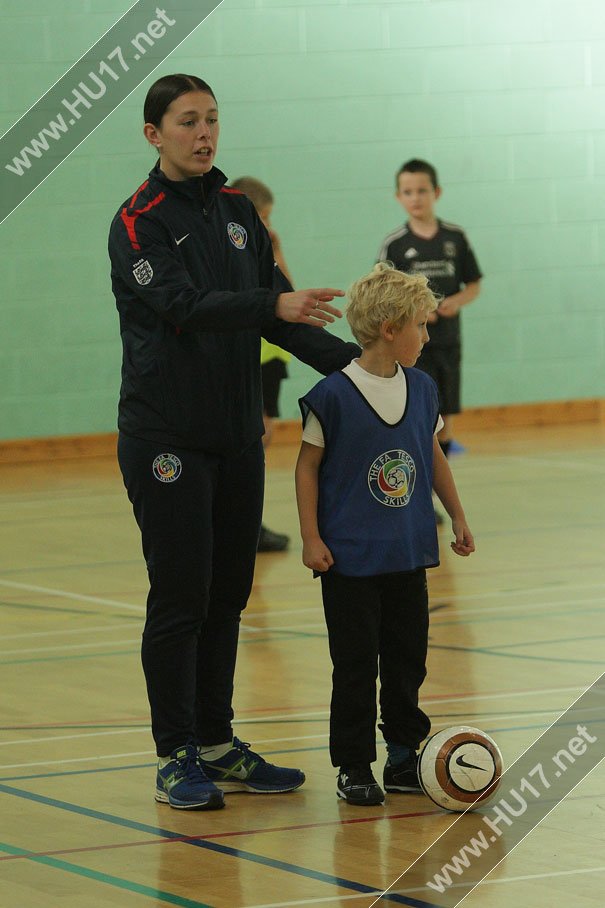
[212, 752]
[163, 761]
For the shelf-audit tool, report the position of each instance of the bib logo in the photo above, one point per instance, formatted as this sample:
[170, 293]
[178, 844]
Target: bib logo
[143, 272]
[237, 235]
[391, 478]
[167, 467]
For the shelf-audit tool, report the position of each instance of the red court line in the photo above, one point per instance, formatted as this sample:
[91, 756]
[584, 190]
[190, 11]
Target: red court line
[220, 835]
[453, 695]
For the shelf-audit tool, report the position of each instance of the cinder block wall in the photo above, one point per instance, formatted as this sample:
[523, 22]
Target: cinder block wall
[324, 101]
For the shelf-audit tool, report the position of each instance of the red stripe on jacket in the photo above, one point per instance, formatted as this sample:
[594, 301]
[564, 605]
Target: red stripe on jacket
[129, 219]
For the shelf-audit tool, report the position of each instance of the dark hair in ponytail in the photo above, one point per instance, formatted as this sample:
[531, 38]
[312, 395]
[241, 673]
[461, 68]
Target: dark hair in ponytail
[163, 92]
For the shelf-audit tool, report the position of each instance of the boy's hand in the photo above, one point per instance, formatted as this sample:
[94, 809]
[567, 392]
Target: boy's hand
[308, 306]
[448, 307]
[464, 544]
[316, 555]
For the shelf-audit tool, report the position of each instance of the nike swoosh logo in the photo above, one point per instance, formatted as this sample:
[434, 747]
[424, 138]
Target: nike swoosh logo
[460, 761]
[178, 242]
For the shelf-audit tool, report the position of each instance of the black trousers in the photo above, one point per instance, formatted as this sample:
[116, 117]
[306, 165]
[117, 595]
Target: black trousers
[199, 516]
[376, 625]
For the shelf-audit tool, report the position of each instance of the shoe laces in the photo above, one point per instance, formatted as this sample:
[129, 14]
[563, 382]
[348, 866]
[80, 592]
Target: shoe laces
[359, 775]
[189, 765]
[244, 748]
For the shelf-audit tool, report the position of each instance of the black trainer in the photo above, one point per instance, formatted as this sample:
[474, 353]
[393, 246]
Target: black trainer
[268, 541]
[402, 777]
[356, 785]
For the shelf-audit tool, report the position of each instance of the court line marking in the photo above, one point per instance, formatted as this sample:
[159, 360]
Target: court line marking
[224, 835]
[71, 630]
[80, 597]
[446, 616]
[200, 841]
[217, 847]
[492, 651]
[66, 647]
[253, 629]
[319, 714]
[51, 591]
[290, 738]
[115, 881]
[349, 898]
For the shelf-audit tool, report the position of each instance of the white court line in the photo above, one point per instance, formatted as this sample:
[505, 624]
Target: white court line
[264, 741]
[139, 753]
[311, 715]
[63, 594]
[460, 613]
[365, 895]
[464, 596]
[69, 646]
[96, 758]
[271, 629]
[72, 630]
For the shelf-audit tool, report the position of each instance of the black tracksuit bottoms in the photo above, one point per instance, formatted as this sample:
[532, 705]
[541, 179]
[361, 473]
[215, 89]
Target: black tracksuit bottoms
[376, 625]
[199, 520]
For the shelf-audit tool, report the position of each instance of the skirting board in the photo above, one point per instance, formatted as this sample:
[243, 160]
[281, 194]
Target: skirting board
[287, 431]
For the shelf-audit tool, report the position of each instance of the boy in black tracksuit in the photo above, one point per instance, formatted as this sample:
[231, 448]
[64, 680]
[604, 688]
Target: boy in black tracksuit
[192, 273]
[442, 252]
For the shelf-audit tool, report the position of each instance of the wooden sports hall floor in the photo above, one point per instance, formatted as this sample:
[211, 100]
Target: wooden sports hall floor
[517, 634]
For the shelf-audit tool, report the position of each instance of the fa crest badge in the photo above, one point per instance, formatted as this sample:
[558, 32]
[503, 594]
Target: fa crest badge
[237, 234]
[392, 477]
[143, 272]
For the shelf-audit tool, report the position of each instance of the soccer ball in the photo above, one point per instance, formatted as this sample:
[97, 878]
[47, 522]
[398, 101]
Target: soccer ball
[460, 767]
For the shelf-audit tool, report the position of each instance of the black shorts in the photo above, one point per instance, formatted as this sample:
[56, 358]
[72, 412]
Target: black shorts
[443, 365]
[272, 373]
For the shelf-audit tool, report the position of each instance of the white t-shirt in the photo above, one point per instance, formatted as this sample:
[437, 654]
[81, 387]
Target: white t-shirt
[387, 396]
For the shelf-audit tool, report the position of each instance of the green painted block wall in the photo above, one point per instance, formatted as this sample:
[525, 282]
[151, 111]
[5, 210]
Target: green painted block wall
[324, 101]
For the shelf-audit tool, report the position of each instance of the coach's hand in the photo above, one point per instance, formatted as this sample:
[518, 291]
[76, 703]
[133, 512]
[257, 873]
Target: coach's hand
[309, 307]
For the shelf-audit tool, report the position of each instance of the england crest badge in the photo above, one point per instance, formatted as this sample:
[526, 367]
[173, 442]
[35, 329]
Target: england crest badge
[143, 272]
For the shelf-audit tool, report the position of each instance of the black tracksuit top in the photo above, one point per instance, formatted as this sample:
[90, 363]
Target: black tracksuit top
[196, 286]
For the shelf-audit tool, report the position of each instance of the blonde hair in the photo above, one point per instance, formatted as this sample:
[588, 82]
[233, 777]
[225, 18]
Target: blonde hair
[386, 295]
[259, 193]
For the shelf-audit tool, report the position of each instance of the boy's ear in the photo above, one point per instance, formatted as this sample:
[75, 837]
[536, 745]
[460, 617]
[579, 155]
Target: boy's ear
[438, 193]
[387, 331]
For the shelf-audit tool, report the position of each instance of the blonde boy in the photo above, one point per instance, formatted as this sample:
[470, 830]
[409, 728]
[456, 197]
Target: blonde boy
[368, 461]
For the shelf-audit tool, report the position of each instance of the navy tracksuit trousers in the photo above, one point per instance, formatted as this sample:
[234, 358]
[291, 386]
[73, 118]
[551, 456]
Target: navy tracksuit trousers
[377, 626]
[199, 516]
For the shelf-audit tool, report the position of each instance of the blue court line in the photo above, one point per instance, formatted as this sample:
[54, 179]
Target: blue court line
[284, 750]
[532, 616]
[547, 642]
[283, 636]
[118, 882]
[486, 651]
[275, 637]
[200, 843]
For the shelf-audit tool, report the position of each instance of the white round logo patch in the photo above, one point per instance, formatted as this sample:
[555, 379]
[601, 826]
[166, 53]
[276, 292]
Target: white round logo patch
[237, 234]
[167, 467]
[392, 477]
